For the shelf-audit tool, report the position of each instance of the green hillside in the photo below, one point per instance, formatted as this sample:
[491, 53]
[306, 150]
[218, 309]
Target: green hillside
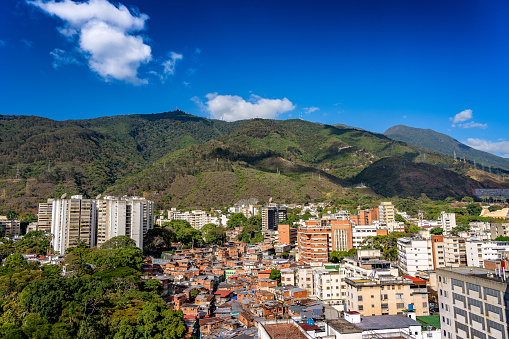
[438, 142]
[182, 160]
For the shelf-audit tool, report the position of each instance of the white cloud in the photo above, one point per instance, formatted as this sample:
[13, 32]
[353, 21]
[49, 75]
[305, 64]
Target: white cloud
[61, 57]
[232, 107]
[500, 147]
[28, 44]
[311, 109]
[169, 65]
[107, 35]
[473, 124]
[462, 116]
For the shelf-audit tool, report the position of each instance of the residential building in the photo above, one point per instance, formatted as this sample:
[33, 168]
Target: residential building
[130, 216]
[95, 221]
[319, 237]
[329, 285]
[9, 227]
[395, 226]
[499, 230]
[386, 295]
[365, 217]
[44, 216]
[271, 216]
[305, 279]
[361, 232]
[287, 235]
[367, 263]
[437, 248]
[473, 303]
[454, 251]
[414, 254]
[447, 221]
[479, 251]
[73, 220]
[386, 213]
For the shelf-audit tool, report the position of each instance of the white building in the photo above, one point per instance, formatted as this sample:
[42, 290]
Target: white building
[478, 251]
[447, 221]
[414, 255]
[329, 285]
[361, 232]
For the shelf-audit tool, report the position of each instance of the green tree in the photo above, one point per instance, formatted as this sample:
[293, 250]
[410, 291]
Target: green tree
[120, 241]
[468, 199]
[436, 231]
[501, 238]
[235, 221]
[15, 261]
[494, 208]
[275, 275]
[474, 209]
[413, 229]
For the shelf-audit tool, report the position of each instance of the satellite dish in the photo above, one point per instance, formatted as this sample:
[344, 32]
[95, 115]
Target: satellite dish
[63, 196]
[98, 197]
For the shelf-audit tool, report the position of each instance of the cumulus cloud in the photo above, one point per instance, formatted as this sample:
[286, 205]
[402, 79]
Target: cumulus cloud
[462, 116]
[499, 147]
[61, 57]
[310, 109]
[232, 107]
[108, 36]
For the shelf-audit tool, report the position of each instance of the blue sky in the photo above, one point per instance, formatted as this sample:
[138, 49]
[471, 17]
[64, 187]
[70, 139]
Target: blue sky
[373, 64]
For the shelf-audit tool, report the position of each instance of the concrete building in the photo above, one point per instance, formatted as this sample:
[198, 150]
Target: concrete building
[130, 216]
[44, 216]
[329, 285]
[454, 251]
[271, 216]
[73, 220]
[386, 213]
[364, 217]
[387, 295]
[9, 227]
[318, 238]
[447, 221]
[367, 263]
[473, 303]
[305, 279]
[361, 232]
[287, 235]
[396, 226]
[414, 254]
[499, 230]
[479, 251]
[437, 248]
[95, 221]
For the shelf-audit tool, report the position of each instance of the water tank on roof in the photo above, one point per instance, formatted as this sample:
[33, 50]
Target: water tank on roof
[410, 307]
[311, 322]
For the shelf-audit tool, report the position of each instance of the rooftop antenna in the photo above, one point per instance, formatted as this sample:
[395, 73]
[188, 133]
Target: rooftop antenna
[300, 116]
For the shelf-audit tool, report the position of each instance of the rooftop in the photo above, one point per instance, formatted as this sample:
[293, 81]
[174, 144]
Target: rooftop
[344, 327]
[433, 320]
[284, 331]
[385, 322]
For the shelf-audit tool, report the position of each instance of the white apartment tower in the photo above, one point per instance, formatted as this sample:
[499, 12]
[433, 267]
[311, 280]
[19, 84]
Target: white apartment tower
[447, 221]
[386, 213]
[414, 255]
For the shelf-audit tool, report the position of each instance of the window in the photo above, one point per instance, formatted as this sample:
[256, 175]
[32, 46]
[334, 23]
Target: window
[400, 296]
[384, 297]
[359, 298]
[385, 306]
[400, 305]
[361, 308]
[424, 304]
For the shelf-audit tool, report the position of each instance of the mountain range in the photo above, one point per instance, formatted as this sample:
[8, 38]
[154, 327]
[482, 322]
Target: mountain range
[181, 160]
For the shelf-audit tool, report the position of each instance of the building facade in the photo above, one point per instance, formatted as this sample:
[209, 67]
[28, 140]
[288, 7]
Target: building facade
[473, 303]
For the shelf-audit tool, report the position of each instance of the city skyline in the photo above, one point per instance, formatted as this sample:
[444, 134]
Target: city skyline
[366, 64]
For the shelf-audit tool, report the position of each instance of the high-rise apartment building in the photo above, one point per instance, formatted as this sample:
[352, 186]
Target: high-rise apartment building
[447, 221]
[473, 303]
[9, 227]
[386, 213]
[271, 216]
[320, 237]
[365, 217]
[73, 220]
[455, 251]
[479, 251]
[414, 254]
[95, 221]
[287, 235]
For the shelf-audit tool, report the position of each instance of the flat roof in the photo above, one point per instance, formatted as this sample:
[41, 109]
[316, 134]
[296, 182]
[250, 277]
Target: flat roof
[433, 320]
[385, 322]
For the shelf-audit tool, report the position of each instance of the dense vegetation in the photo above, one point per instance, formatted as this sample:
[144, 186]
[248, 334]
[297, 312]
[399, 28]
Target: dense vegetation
[101, 296]
[180, 160]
